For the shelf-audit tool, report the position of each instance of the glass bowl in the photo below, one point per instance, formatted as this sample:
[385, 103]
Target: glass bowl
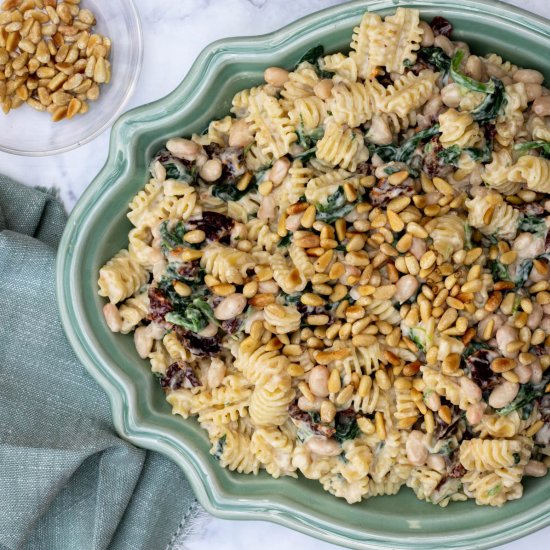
[98, 228]
[25, 131]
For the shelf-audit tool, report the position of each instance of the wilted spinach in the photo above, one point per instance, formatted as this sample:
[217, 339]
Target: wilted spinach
[285, 241]
[336, 207]
[528, 145]
[533, 224]
[489, 108]
[228, 191]
[467, 236]
[466, 81]
[312, 56]
[450, 155]
[499, 271]
[526, 395]
[220, 446]
[522, 272]
[474, 346]
[346, 426]
[436, 58]
[171, 237]
[194, 316]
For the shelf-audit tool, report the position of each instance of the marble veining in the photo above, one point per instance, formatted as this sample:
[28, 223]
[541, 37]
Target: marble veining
[175, 32]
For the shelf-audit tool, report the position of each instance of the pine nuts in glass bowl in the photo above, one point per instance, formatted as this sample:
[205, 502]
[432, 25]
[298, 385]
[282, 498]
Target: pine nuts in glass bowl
[27, 131]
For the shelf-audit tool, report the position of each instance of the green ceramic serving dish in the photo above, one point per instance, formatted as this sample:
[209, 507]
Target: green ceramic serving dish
[98, 228]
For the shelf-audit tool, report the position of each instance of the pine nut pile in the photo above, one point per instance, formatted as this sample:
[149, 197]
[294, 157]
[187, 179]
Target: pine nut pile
[50, 58]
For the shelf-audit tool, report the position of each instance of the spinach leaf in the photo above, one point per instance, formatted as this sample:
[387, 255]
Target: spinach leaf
[307, 140]
[499, 271]
[291, 299]
[385, 152]
[527, 394]
[436, 58]
[312, 56]
[171, 237]
[406, 149]
[480, 155]
[466, 81]
[346, 427]
[336, 207]
[285, 241]
[450, 155]
[194, 317]
[523, 271]
[527, 146]
[220, 445]
[474, 346]
[306, 155]
[389, 170]
[489, 108]
[533, 224]
[228, 191]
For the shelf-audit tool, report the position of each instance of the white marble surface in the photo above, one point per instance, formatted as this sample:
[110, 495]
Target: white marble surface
[175, 32]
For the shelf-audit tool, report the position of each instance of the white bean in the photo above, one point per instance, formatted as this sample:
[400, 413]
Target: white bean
[318, 381]
[533, 91]
[211, 170]
[292, 223]
[112, 317]
[524, 373]
[323, 88]
[267, 208]
[503, 394]
[470, 388]
[379, 131]
[427, 35]
[279, 171]
[541, 106]
[405, 287]
[535, 468]
[323, 446]
[536, 369]
[505, 335]
[209, 330]
[474, 67]
[418, 248]
[528, 76]
[445, 44]
[230, 307]
[535, 317]
[276, 76]
[159, 172]
[450, 95]
[417, 453]
[143, 342]
[474, 413]
[240, 134]
[306, 405]
[437, 463]
[183, 148]
[433, 401]
[268, 287]
[215, 373]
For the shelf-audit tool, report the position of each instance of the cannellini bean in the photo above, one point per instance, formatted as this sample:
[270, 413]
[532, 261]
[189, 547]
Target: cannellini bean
[427, 35]
[279, 171]
[437, 462]
[323, 88]
[267, 208]
[183, 148]
[268, 287]
[432, 400]
[143, 342]
[209, 330]
[483, 322]
[432, 107]
[215, 373]
[417, 453]
[249, 320]
[405, 288]
[533, 91]
[503, 394]
[112, 317]
[445, 44]
[536, 369]
[323, 446]
[528, 76]
[524, 373]
[306, 405]
[535, 317]
[276, 76]
[541, 106]
[528, 245]
[240, 134]
[504, 336]
[451, 95]
[292, 223]
[159, 172]
[474, 413]
[470, 388]
[230, 307]
[418, 248]
[318, 381]
[475, 68]
[379, 131]
[239, 231]
[535, 468]
[156, 331]
[211, 170]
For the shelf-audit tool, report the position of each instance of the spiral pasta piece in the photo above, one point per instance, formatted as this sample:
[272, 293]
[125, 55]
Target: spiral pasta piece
[121, 277]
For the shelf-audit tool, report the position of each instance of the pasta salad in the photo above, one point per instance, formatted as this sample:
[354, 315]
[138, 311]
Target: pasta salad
[348, 276]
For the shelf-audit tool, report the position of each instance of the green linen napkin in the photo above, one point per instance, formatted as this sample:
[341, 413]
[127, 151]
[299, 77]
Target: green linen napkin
[67, 480]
